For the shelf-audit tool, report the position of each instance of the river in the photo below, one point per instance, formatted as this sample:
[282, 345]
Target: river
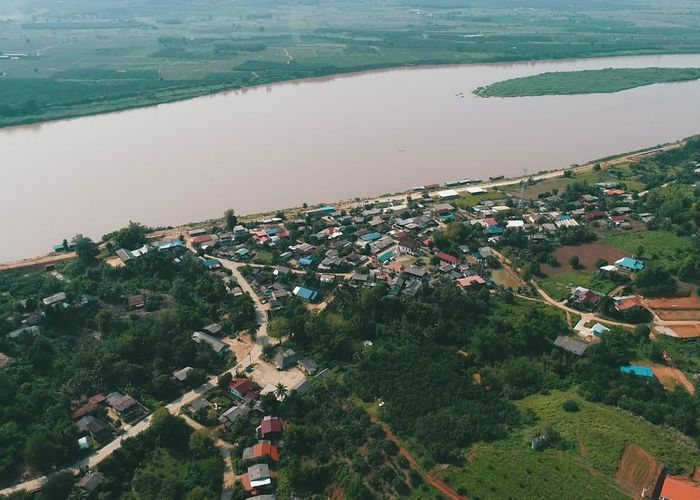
[311, 141]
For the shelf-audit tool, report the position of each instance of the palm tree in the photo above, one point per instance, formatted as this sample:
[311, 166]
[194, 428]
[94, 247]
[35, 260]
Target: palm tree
[281, 391]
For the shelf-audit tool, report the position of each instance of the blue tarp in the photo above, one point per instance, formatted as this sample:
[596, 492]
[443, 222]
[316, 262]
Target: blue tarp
[639, 371]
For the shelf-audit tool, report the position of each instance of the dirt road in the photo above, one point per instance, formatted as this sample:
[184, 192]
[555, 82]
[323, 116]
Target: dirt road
[430, 479]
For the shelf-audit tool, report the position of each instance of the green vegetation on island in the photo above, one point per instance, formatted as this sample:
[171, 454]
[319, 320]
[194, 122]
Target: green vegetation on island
[599, 81]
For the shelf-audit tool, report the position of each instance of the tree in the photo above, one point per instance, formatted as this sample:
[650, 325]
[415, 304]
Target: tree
[58, 486]
[600, 262]
[268, 352]
[86, 249]
[39, 451]
[281, 391]
[224, 380]
[230, 219]
[575, 262]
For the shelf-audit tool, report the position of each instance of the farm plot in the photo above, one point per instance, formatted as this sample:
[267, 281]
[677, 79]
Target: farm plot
[587, 254]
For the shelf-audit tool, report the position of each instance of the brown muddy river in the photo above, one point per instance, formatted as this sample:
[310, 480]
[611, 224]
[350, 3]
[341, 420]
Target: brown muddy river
[313, 141]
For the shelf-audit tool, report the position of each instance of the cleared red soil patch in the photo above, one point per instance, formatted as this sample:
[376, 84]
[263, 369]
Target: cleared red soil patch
[587, 255]
[669, 377]
[686, 331]
[639, 470]
[691, 302]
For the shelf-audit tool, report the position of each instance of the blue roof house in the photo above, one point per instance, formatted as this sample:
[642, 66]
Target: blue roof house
[630, 264]
[212, 264]
[370, 236]
[306, 261]
[305, 293]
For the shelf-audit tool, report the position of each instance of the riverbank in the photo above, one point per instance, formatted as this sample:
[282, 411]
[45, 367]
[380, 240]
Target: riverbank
[39, 263]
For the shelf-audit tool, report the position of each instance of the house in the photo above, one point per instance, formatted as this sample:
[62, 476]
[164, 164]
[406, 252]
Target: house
[120, 403]
[261, 450]
[308, 366]
[447, 259]
[584, 295]
[212, 264]
[90, 482]
[262, 497]
[305, 293]
[443, 208]
[679, 489]
[88, 407]
[218, 346]
[572, 345]
[136, 301]
[232, 414]
[448, 194]
[629, 264]
[169, 245]
[214, 328]
[369, 237]
[284, 360]
[241, 386]
[33, 330]
[595, 215]
[628, 302]
[258, 476]
[54, 299]
[270, 428]
[201, 240]
[181, 375]
[91, 425]
[472, 280]
[599, 329]
[639, 371]
[386, 257]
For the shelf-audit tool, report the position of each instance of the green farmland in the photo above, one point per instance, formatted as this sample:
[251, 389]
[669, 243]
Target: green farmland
[559, 287]
[584, 467]
[586, 82]
[80, 57]
[658, 247]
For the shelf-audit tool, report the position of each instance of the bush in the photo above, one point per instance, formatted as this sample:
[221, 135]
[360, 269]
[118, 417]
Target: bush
[570, 406]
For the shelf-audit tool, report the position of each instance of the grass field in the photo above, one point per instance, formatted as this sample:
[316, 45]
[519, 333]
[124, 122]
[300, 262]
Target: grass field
[597, 436]
[559, 287]
[657, 247]
[467, 201]
[91, 56]
[618, 173]
[586, 82]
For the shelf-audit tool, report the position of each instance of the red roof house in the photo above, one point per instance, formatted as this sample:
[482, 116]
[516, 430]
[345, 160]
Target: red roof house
[241, 386]
[678, 489]
[447, 258]
[270, 428]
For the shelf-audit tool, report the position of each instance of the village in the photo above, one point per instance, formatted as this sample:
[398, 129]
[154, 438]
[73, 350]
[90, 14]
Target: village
[475, 237]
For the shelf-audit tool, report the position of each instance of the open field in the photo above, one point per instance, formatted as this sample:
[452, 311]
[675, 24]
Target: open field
[613, 173]
[587, 254]
[467, 201]
[597, 436]
[669, 377]
[80, 57]
[559, 287]
[659, 247]
[607, 81]
[638, 469]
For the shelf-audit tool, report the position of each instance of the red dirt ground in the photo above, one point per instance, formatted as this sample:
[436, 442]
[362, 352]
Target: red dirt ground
[587, 254]
[686, 331]
[638, 470]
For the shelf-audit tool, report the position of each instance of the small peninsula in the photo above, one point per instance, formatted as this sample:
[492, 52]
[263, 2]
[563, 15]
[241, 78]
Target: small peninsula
[586, 82]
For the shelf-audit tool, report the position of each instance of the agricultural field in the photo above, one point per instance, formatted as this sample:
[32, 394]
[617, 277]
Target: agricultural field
[586, 82]
[80, 57]
[559, 287]
[587, 254]
[584, 467]
[654, 247]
